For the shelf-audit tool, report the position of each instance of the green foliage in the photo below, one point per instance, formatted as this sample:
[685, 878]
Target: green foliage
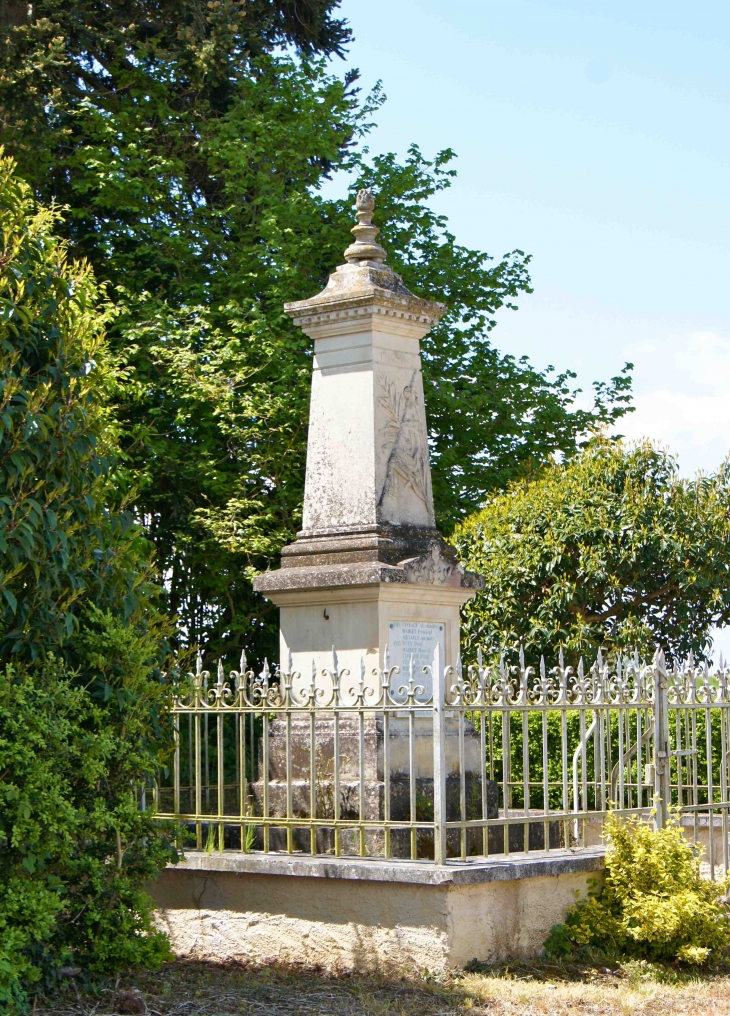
[191, 160]
[610, 549]
[654, 903]
[58, 541]
[81, 706]
[75, 848]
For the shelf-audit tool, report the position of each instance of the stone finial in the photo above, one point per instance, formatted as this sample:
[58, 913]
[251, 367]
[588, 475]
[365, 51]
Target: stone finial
[365, 248]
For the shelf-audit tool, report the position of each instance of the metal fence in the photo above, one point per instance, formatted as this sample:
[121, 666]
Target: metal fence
[454, 762]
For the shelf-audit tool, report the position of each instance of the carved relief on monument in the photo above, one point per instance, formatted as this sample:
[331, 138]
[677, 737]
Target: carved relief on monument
[403, 447]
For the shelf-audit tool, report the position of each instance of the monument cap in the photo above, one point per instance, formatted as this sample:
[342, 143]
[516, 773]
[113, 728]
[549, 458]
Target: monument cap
[365, 248]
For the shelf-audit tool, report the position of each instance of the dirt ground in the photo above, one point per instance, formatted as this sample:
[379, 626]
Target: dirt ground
[196, 989]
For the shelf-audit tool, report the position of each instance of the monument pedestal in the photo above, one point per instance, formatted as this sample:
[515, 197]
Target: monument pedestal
[360, 609]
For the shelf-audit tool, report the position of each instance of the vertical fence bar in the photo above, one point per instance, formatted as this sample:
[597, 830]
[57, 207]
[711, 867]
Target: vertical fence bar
[265, 778]
[176, 766]
[462, 784]
[662, 769]
[198, 794]
[723, 787]
[191, 765]
[206, 750]
[640, 761]
[564, 763]
[545, 779]
[336, 775]
[361, 812]
[680, 755]
[695, 776]
[220, 779]
[412, 802]
[386, 778]
[506, 772]
[526, 779]
[621, 763]
[312, 781]
[439, 758]
[288, 774]
[242, 781]
[710, 791]
[483, 775]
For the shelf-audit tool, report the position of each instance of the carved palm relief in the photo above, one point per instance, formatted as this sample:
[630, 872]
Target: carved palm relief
[403, 439]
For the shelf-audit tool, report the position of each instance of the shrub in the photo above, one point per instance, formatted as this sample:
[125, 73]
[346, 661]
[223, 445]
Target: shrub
[76, 850]
[654, 903]
[82, 648]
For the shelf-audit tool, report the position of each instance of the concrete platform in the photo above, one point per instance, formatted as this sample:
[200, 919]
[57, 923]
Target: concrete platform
[342, 914]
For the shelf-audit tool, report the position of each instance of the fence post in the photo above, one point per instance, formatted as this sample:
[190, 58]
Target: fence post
[662, 758]
[439, 758]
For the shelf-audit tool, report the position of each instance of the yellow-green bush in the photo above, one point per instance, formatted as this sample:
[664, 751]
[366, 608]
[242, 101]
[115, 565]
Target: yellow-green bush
[654, 903]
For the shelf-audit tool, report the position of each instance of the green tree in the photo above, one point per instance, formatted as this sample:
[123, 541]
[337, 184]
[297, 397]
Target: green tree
[190, 157]
[82, 690]
[60, 545]
[609, 550]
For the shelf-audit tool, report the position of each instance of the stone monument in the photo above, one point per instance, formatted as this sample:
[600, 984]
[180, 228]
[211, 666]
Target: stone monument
[369, 567]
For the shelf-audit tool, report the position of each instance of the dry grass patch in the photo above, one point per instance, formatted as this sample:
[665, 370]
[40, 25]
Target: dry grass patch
[560, 989]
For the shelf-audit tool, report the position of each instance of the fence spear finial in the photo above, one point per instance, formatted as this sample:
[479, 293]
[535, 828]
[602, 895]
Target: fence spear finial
[243, 663]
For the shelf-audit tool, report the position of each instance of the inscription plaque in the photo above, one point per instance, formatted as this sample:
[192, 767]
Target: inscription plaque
[416, 639]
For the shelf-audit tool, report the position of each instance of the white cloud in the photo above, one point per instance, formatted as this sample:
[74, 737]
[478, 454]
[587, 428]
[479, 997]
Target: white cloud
[683, 397]
[682, 401]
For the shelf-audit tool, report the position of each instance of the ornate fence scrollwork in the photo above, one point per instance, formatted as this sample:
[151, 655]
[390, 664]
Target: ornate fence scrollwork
[503, 757]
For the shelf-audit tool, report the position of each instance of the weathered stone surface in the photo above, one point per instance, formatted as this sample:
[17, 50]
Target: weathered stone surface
[382, 916]
[585, 860]
[368, 497]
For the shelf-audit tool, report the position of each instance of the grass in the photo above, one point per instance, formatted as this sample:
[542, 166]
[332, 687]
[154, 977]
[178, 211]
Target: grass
[198, 989]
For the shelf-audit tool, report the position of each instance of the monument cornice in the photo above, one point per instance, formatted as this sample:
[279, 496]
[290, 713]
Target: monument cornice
[377, 302]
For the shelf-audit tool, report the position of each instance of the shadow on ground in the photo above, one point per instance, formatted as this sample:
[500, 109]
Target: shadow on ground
[200, 989]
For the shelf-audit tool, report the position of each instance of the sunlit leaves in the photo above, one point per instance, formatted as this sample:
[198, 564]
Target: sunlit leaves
[611, 550]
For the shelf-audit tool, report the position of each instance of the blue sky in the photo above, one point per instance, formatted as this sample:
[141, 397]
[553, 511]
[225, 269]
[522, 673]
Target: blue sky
[593, 136]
